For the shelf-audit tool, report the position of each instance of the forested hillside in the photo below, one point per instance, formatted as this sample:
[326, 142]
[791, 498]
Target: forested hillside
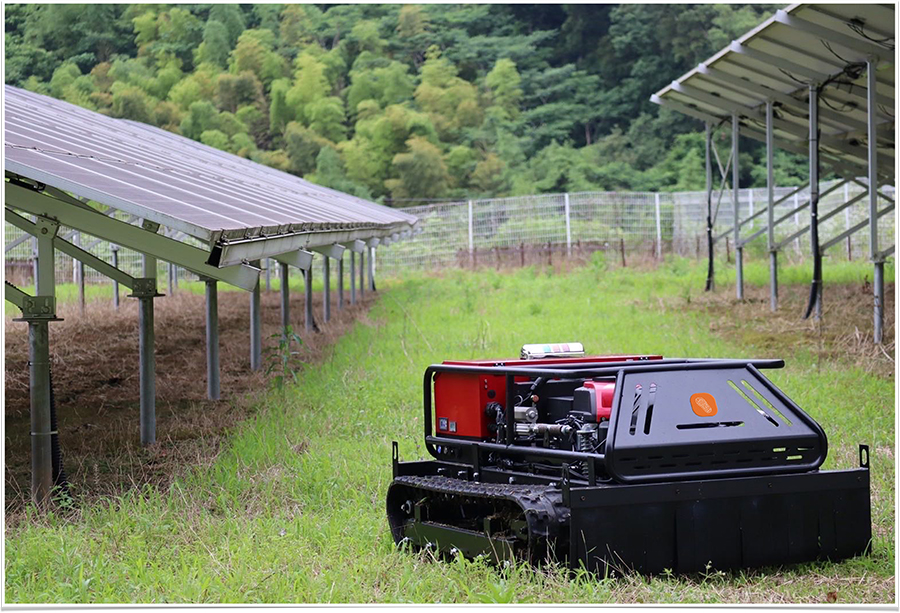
[400, 103]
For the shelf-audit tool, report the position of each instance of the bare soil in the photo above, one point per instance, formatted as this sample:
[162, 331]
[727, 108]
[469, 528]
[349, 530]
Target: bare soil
[96, 385]
[845, 332]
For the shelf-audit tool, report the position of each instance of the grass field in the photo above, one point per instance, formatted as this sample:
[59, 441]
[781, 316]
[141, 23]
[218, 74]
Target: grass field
[292, 510]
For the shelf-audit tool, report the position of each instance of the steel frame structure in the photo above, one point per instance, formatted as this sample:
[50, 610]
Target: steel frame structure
[53, 187]
[776, 75]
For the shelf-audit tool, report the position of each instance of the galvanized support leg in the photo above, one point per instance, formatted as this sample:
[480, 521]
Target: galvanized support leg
[326, 279]
[874, 254]
[213, 387]
[148, 371]
[268, 275]
[39, 371]
[255, 327]
[352, 277]
[816, 290]
[145, 292]
[34, 258]
[170, 273]
[879, 302]
[115, 263]
[710, 243]
[372, 268]
[362, 274]
[41, 432]
[307, 288]
[735, 193]
[285, 298]
[340, 284]
[770, 213]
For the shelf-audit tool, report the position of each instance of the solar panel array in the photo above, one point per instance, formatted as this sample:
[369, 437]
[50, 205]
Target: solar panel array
[803, 44]
[172, 180]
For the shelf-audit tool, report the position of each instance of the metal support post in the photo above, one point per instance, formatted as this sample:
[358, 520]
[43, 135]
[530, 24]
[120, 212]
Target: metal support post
[362, 274]
[658, 228]
[41, 431]
[847, 222]
[735, 194]
[255, 326]
[352, 277]
[307, 288]
[770, 213]
[569, 224]
[145, 291]
[340, 283]
[268, 274]
[170, 273]
[39, 368]
[34, 257]
[213, 387]
[372, 268]
[710, 243]
[115, 284]
[876, 257]
[816, 290]
[284, 273]
[326, 294]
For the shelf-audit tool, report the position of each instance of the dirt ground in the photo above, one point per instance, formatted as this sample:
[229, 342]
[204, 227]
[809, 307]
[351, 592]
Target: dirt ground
[95, 378]
[844, 332]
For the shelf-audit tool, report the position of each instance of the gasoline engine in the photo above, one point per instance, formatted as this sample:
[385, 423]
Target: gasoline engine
[620, 463]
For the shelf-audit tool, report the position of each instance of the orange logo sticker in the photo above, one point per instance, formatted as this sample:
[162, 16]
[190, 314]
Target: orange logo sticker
[704, 404]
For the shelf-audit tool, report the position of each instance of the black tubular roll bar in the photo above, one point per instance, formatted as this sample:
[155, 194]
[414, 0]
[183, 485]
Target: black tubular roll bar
[558, 371]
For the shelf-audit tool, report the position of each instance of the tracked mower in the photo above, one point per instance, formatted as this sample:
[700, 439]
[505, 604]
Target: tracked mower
[624, 463]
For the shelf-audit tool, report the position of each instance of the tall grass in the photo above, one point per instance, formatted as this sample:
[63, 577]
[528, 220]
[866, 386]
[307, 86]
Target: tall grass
[293, 508]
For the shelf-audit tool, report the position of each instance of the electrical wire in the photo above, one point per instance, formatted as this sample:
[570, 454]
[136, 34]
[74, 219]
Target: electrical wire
[859, 27]
[833, 52]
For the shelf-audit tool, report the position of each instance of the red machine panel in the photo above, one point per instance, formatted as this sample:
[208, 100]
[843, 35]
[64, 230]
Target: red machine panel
[460, 398]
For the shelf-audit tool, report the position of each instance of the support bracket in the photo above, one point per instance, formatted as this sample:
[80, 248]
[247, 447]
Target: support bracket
[298, 259]
[144, 288]
[334, 251]
[34, 308]
[356, 246]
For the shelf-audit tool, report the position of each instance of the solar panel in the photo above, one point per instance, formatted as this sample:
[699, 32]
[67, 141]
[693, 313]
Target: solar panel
[172, 180]
[803, 44]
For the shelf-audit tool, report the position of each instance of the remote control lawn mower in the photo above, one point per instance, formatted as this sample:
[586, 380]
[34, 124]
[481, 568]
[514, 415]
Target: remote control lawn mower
[624, 463]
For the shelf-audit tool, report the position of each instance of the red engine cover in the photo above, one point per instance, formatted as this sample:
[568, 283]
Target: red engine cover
[460, 398]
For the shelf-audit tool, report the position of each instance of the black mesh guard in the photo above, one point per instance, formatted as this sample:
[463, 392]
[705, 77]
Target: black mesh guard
[707, 422]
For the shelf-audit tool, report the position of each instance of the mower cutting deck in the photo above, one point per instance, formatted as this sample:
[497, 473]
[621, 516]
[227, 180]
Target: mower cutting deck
[624, 463]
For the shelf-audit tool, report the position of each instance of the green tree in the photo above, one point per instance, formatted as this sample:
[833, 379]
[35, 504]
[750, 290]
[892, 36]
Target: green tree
[216, 46]
[504, 90]
[302, 146]
[420, 172]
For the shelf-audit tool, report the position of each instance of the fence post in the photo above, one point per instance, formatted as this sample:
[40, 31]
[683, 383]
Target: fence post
[471, 230]
[658, 230]
[568, 227]
[622, 248]
[115, 262]
[78, 271]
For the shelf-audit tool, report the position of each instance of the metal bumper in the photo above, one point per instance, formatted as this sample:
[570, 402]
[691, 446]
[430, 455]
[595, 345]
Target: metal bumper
[683, 526]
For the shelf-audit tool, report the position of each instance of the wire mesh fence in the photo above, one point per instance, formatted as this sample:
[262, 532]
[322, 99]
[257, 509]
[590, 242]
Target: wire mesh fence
[637, 223]
[530, 229]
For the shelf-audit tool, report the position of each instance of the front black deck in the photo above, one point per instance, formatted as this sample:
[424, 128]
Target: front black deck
[692, 525]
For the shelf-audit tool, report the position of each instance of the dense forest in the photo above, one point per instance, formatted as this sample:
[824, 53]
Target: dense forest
[401, 103]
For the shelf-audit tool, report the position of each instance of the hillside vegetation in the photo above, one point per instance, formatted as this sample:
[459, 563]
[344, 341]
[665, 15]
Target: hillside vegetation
[400, 103]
